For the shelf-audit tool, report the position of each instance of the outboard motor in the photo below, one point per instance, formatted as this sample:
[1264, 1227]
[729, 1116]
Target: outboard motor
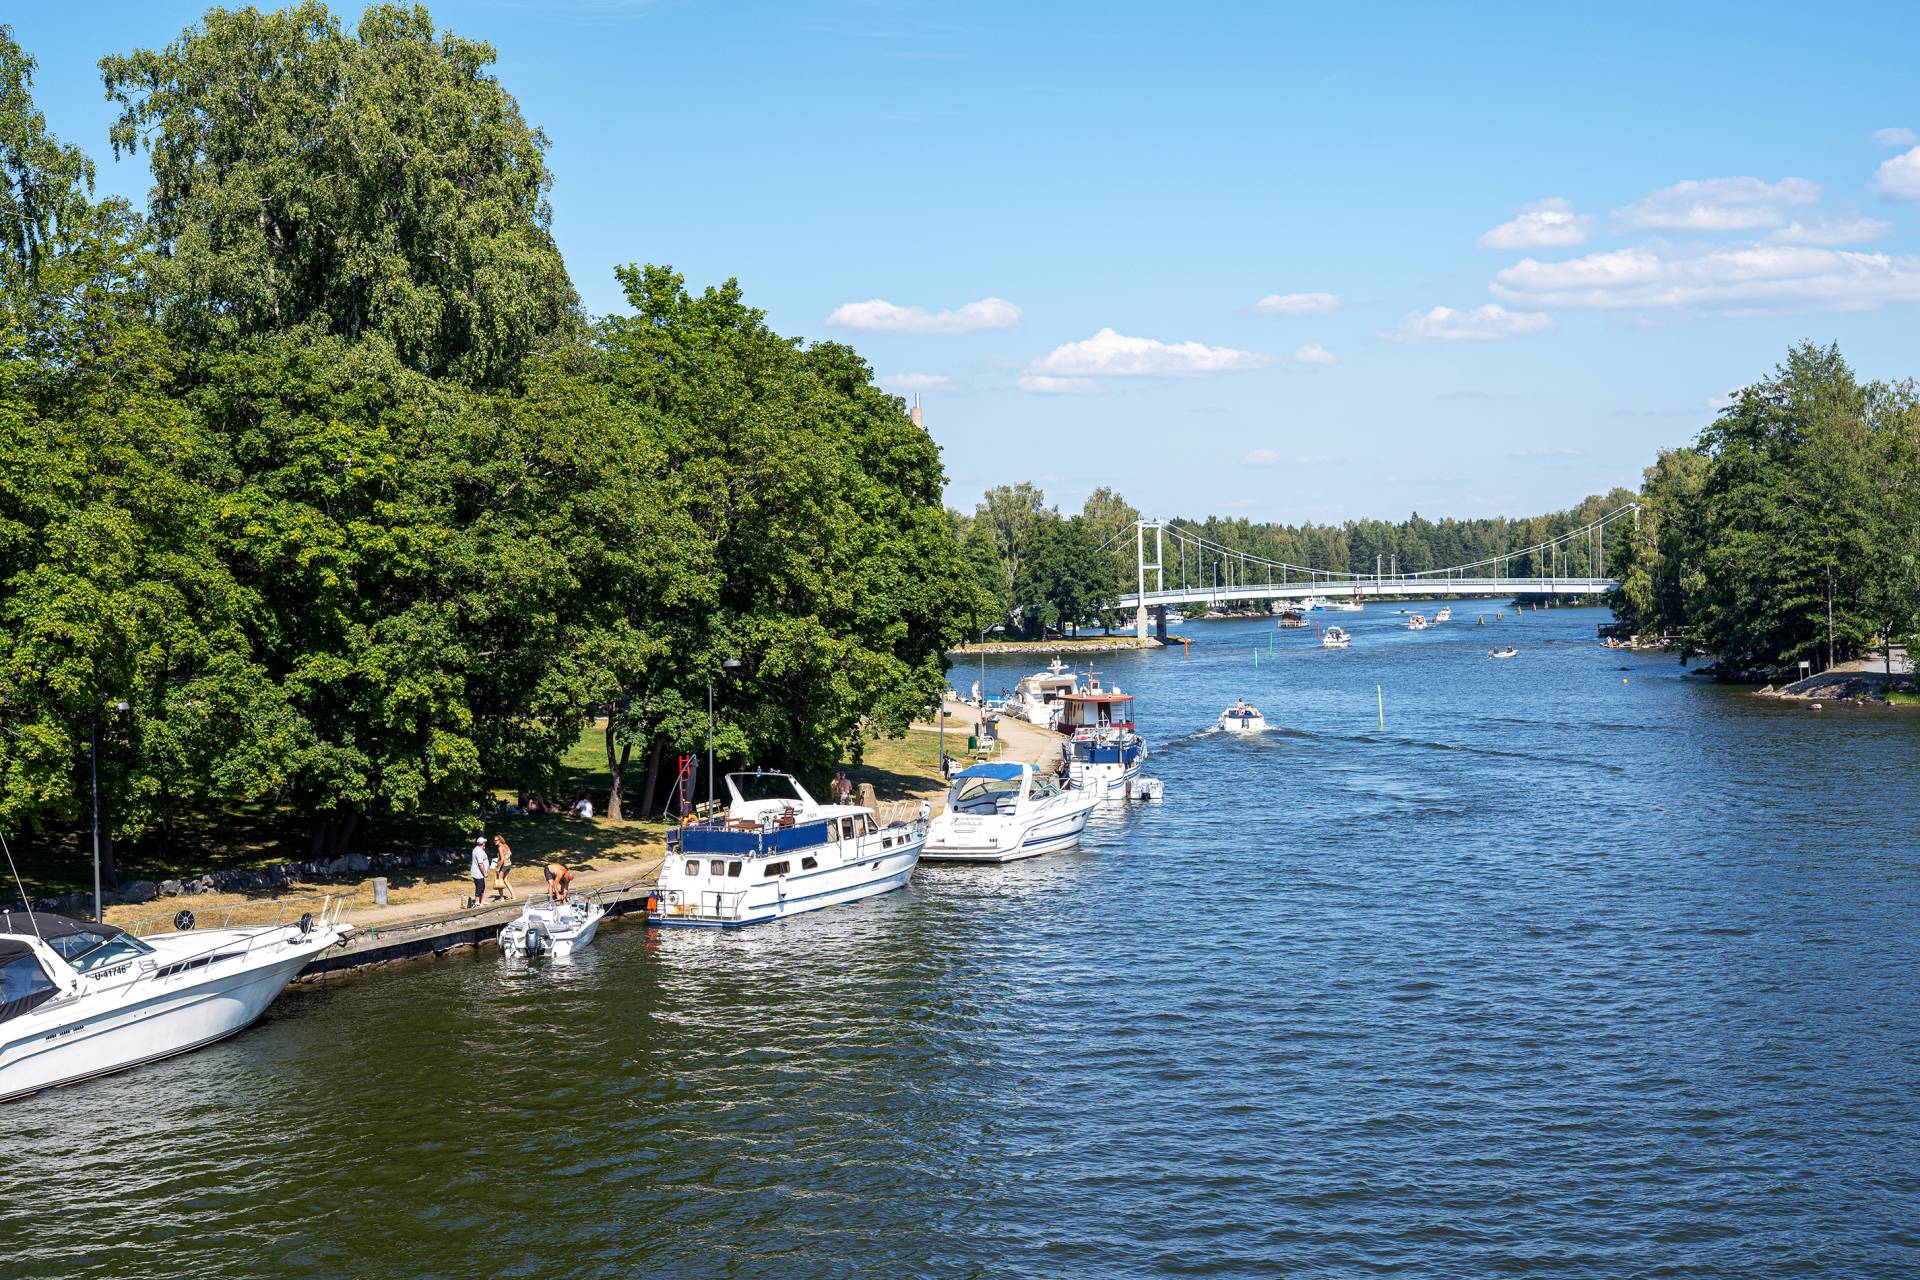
[538, 939]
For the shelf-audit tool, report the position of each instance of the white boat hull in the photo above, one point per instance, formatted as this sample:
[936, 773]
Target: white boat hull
[1240, 724]
[560, 942]
[1108, 780]
[1011, 838]
[767, 900]
[147, 1020]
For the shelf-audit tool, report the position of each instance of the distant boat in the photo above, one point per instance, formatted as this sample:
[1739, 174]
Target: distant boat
[1242, 718]
[1291, 618]
[1508, 652]
[1417, 622]
[1445, 615]
[1335, 638]
[1345, 606]
[1312, 604]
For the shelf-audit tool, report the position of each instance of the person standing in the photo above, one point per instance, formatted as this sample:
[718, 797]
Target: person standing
[502, 867]
[478, 867]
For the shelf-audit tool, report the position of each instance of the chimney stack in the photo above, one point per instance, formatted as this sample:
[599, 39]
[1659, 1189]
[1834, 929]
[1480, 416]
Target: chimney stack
[914, 413]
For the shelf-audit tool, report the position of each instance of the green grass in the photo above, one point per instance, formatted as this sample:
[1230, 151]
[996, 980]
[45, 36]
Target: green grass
[1904, 699]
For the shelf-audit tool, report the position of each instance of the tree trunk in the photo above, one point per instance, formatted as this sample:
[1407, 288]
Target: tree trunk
[653, 776]
[616, 772]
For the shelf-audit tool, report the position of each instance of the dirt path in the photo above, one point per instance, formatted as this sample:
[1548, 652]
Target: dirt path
[1019, 741]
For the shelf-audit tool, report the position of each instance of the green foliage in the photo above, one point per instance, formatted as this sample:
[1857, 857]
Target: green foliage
[1790, 532]
[44, 185]
[374, 184]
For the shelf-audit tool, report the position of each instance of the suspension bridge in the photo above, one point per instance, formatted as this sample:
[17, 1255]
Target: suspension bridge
[1204, 571]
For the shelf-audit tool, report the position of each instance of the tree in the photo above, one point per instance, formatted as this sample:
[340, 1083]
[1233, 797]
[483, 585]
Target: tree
[1008, 513]
[375, 184]
[1064, 578]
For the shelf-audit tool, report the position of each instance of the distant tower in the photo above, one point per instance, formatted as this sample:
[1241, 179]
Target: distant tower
[914, 413]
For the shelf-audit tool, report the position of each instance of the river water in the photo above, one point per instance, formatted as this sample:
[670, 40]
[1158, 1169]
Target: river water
[1578, 968]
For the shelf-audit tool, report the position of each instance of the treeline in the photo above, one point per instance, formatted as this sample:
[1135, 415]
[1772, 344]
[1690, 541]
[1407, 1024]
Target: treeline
[317, 467]
[1790, 530]
[1036, 567]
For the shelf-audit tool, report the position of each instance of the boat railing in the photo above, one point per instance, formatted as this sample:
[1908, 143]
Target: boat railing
[702, 904]
[325, 908]
[332, 908]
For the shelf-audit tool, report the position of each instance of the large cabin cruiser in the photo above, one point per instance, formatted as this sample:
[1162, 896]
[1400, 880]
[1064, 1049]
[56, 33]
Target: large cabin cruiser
[1036, 699]
[81, 999]
[1002, 812]
[1104, 754]
[775, 851]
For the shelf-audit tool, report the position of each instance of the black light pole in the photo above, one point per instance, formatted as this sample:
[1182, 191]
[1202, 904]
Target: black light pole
[731, 664]
[121, 707]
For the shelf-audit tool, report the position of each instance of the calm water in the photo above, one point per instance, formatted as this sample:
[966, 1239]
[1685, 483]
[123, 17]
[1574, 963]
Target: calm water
[1560, 975]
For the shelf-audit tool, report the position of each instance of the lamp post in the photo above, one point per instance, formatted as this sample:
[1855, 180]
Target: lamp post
[730, 665]
[95, 769]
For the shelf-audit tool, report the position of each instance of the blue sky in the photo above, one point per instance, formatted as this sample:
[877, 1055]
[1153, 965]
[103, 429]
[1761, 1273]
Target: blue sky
[1059, 223]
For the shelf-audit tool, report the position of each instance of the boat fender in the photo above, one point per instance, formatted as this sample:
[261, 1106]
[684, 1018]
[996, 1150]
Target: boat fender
[306, 923]
[183, 920]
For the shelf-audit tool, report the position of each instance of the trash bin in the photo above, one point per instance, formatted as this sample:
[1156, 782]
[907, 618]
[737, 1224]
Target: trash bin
[379, 891]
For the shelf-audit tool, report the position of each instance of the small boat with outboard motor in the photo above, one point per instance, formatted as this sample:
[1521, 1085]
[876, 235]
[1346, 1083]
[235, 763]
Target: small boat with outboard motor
[1003, 811]
[1243, 717]
[774, 851]
[1335, 638]
[1508, 652]
[549, 928]
[79, 998]
[1445, 615]
[1416, 622]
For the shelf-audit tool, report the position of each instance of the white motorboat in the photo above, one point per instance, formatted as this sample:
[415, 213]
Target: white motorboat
[1417, 622]
[1004, 812]
[775, 851]
[1242, 718]
[1445, 615]
[1508, 652]
[1036, 699]
[80, 999]
[549, 928]
[1345, 606]
[1313, 604]
[1335, 638]
[1104, 754]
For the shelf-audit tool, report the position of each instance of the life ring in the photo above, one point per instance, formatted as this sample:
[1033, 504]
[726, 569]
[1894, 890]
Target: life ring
[183, 920]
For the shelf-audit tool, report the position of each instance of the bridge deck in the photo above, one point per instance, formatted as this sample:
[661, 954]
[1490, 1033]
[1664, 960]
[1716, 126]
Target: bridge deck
[1373, 588]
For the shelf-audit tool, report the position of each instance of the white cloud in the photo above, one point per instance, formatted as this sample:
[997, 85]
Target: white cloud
[1115, 354]
[1051, 386]
[1260, 458]
[1314, 353]
[1272, 458]
[880, 316]
[1899, 136]
[1719, 204]
[916, 382]
[1756, 276]
[1851, 231]
[1481, 324]
[1297, 304]
[1544, 224]
[1900, 176]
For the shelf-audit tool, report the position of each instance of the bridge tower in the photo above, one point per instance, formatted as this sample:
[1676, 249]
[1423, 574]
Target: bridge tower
[1141, 563]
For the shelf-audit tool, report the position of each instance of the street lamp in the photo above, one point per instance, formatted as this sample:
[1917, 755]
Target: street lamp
[121, 708]
[730, 665]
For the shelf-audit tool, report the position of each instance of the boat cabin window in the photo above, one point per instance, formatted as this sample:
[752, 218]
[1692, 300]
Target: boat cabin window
[733, 870]
[776, 869]
[982, 795]
[867, 825]
[846, 828]
[23, 983]
[764, 786]
[693, 866]
[808, 863]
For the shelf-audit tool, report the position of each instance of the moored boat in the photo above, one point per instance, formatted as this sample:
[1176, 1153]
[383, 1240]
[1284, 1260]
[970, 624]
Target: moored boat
[774, 851]
[1003, 812]
[1104, 753]
[1036, 699]
[1345, 606]
[80, 999]
[548, 928]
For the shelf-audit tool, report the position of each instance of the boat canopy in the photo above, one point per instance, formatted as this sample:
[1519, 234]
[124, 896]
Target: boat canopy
[24, 984]
[1004, 772]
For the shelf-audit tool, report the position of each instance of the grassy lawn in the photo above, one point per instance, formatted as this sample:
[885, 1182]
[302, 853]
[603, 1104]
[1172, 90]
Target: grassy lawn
[909, 767]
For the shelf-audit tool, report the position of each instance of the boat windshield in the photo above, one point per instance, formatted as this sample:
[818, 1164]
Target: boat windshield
[765, 786]
[983, 795]
[87, 950]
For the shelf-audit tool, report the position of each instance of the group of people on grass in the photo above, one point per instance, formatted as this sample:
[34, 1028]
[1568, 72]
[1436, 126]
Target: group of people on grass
[497, 868]
[536, 805]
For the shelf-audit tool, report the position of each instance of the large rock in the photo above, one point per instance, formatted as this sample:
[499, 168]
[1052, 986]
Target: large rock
[140, 891]
[171, 888]
[358, 864]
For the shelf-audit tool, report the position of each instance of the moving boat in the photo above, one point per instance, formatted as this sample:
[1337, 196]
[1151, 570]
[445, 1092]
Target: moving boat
[1104, 754]
[1003, 812]
[1416, 622]
[81, 999]
[1241, 718]
[1292, 617]
[775, 851]
[551, 928]
[1445, 615]
[1508, 652]
[1335, 638]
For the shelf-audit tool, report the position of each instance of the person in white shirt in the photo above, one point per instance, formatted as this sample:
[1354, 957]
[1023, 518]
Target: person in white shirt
[479, 869]
[583, 808]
